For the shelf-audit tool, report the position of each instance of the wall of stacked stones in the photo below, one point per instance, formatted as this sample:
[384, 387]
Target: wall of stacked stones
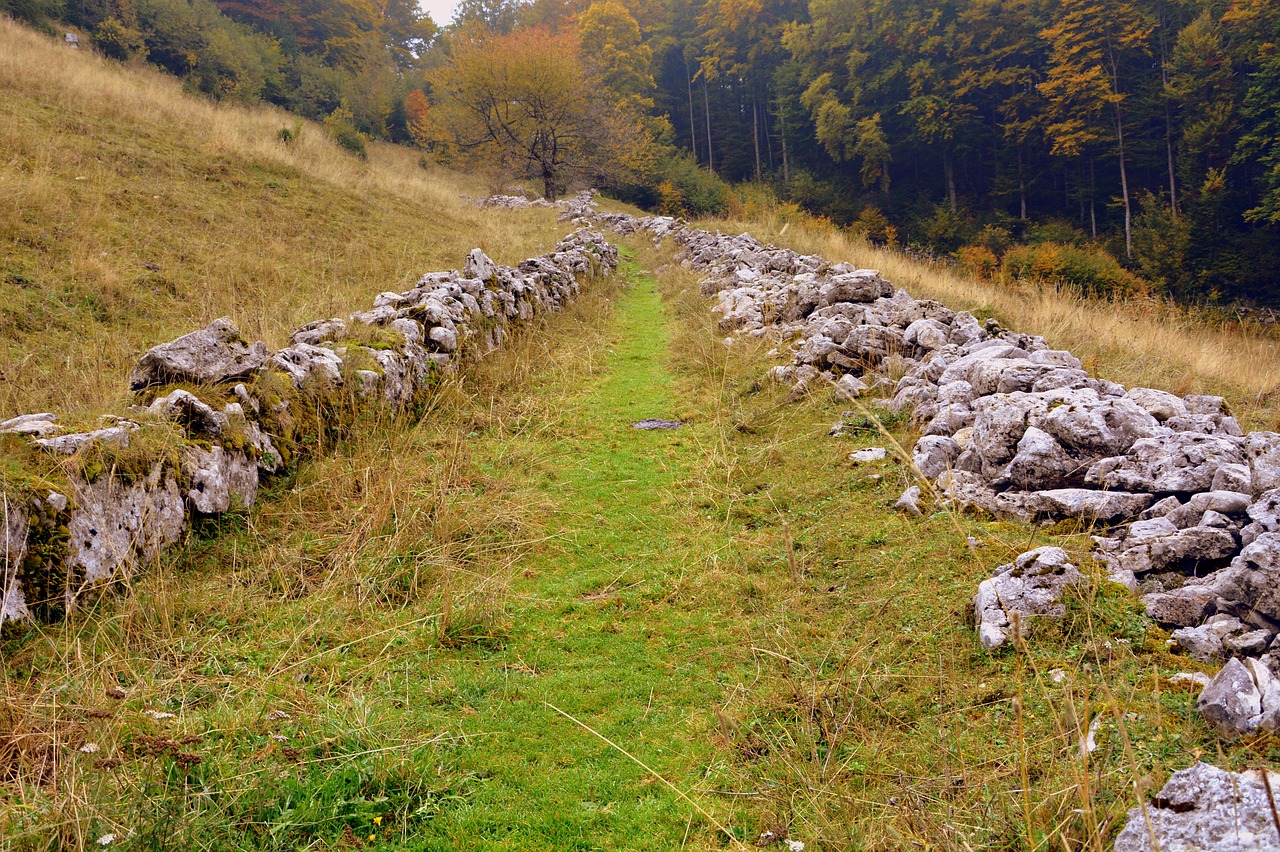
[79, 510]
[1186, 506]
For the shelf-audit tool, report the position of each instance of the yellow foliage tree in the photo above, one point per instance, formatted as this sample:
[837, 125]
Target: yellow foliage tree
[526, 102]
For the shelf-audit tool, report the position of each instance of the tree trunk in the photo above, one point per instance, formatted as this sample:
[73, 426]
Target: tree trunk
[706, 102]
[693, 124]
[755, 134]
[1124, 184]
[1093, 204]
[949, 170]
[1168, 127]
[782, 134]
[1022, 189]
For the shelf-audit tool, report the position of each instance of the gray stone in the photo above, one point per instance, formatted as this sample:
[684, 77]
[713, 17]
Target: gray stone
[1184, 462]
[1233, 477]
[870, 454]
[933, 455]
[848, 388]
[1262, 454]
[479, 266]
[1186, 606]
[1249, 644]
[305, 363]
[909, 502]
[115, 526]
[1253, 578]
[1231, 702]
[1201, 643]
[70, 444]
[863, 285]
[1160, 508]
[185, 409]
[219, 479]
[1204, 808]
[13, 549]
[40, 425]
[1087, 505]
[215, 353]
[1030, 587]
[927, 334]
[1161, 404]
[1040, 462]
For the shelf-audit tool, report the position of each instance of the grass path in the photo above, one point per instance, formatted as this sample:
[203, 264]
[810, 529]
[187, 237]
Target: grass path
[599, 627]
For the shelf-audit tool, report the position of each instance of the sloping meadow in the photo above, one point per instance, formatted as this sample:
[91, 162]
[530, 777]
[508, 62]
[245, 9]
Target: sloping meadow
[84, 510]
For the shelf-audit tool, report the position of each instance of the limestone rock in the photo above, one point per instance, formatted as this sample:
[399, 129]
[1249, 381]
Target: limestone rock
[1161, 404]
[1253, 578]
[215, 353]
[13, 549]
[1184, 462]
[934, 454]
[1204, 808]
[1087, 505]
[1031, 586]
[1232, 701]
[40, 425]
[116, 525]
[1186, 606]
[909, 502]
[219, 479]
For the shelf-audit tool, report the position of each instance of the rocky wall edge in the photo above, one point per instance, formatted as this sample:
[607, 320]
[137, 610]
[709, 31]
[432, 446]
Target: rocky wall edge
[215, 415]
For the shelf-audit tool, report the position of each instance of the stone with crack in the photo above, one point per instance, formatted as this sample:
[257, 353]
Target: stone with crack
[1029, 587]
[215, 353]
[1202, 808]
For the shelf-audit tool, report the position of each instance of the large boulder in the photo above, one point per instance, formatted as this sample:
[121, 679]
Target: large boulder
[1202, 808]
[1253, 578]
[215, 353]
[1184, 462]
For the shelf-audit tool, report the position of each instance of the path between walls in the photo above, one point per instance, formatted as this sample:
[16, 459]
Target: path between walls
[600, 622]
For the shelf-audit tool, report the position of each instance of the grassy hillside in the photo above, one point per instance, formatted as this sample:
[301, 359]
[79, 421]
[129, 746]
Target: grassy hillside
[516, 622]
[131, 213]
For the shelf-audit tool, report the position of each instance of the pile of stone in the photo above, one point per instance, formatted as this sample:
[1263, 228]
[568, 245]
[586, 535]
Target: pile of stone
[1186, 505]
[513, 202]
[250, 407]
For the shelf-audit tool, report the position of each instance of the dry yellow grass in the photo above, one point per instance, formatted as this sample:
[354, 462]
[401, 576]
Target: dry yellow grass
[131, 212]
[1137, 342]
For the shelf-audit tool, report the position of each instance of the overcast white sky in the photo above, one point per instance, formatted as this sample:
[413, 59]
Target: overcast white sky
[441, 11]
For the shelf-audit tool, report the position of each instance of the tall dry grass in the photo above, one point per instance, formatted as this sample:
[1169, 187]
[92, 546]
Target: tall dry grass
[1140, 342]
[132, 212]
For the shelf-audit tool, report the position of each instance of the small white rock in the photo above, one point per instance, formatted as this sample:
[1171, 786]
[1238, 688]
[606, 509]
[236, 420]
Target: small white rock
[870, 454]
[88, 748]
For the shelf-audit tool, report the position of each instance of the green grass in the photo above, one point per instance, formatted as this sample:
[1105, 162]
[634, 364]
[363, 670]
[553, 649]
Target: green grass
[383, 652]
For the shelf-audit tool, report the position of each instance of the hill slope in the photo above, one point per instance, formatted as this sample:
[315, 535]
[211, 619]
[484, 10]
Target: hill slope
[131, 213]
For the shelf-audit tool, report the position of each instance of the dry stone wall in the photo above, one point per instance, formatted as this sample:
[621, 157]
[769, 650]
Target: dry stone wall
[79, 510]
[1186, 504]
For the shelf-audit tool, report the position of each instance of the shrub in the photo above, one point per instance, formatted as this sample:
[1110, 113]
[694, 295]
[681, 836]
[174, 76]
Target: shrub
[1093, 273]
[977, 262]
[875, 227]
[670, 200]
[118, 41]
[341, 127]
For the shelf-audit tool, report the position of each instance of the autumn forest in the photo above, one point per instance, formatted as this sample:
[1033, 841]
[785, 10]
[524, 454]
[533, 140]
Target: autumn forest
[1112, 145]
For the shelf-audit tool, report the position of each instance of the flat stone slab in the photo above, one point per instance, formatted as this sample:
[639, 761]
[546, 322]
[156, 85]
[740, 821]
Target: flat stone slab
[657, 423]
